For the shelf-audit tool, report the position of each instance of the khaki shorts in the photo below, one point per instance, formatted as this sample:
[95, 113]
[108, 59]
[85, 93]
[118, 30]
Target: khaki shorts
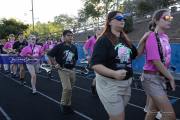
[154, 85]
[114, 94]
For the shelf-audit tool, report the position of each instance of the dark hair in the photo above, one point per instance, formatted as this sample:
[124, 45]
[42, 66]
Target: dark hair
[156, 17]
[89, 36]
[65, 32]
[107, 30]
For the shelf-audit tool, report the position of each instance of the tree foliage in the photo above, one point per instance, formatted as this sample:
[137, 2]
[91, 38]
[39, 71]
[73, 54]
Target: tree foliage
[44, 29]
[144, 7]
[65, 21]
[128, 27]
[11, 26]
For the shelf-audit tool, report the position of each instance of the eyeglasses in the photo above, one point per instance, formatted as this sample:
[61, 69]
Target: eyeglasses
[119, 18]
[167, 18]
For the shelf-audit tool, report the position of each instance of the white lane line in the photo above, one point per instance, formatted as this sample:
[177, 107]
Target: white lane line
[90, 91]
[5, 114]
[83, 89]
[131, 104]
[136, 106]
[46, 96]
[54, 80]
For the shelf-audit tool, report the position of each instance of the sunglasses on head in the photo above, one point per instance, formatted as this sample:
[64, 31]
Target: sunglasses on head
[119, 18]
[167, 18]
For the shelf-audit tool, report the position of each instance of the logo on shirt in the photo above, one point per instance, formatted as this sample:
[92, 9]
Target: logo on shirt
[68, 57]
[123, 53]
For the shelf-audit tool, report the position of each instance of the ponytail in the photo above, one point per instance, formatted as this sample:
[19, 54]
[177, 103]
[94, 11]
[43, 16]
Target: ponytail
[152, 25]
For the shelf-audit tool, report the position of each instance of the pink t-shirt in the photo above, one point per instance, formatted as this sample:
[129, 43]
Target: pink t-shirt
[90, 44]
[47, 46]
[34, 50]
[9, 45]
[152, 52]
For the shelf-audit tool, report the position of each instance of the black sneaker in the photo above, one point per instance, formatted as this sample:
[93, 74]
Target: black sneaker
[93, 90]
[14, 76]
[6, 71]
[65, 109]
[23, 82]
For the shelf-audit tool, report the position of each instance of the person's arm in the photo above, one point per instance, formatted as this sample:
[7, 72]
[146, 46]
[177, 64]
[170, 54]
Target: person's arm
[164, 71]
[141, 44]
[52, 54]
[76, 54]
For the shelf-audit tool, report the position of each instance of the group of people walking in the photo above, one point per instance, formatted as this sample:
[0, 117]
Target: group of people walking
[111, 55]
[112, 63]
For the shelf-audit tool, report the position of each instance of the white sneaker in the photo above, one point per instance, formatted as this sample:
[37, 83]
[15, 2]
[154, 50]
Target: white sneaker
[145, 109]
[34, 91]
[158, 116]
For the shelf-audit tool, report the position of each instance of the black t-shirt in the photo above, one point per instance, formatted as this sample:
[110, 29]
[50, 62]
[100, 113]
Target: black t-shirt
[115, 57]
[65, 55]
[1, 49]
[19, 45]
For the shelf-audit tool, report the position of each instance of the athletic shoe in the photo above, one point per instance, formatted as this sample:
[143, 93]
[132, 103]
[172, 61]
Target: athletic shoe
[158, 116]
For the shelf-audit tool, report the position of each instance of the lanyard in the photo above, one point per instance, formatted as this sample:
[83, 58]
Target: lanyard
[160, 48]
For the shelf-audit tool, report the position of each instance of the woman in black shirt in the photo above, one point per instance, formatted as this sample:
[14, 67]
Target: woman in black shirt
[112, 62]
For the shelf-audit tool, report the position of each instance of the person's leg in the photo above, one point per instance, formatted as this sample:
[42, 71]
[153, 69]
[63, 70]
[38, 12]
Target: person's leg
[121, 116]
[147, 103]
[66, 92]
[14, 69]
[21, 73]
[37, 68]
[32, 72]
[93, 87]
[152, 109]
[114, 96]
[11, 69]
[6, 66]
[162, 104]
[165, 107]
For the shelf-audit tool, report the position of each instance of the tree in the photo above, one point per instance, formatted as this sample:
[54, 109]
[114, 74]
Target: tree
[65, 21]
[128, 27]
[144, 7]
[129, 7]
[11, 26]
[44, 29]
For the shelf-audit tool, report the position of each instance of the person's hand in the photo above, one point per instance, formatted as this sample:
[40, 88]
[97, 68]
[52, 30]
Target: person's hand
[120, 74]
[29, 56]
[173, 85]
[57, 66]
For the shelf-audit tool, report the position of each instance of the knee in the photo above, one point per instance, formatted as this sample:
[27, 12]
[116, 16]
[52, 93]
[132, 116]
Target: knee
[67, 90]
[33, 76]
[168, 115]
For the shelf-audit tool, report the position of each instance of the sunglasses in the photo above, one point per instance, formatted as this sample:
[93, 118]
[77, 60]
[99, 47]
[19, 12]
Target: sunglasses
[119, 18]
[167, 18]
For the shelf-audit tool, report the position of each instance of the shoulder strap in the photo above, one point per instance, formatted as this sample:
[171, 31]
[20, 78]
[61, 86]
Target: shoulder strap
[160, 48]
